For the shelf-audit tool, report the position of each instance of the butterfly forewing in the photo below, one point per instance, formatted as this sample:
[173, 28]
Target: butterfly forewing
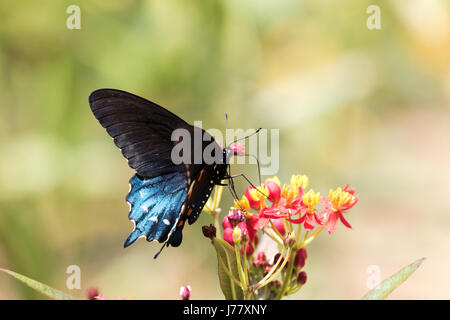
[140, 128]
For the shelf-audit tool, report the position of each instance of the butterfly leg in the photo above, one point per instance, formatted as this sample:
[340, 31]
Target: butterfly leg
[234, 194]
[232, 191]
[231, 177]
[230, 186]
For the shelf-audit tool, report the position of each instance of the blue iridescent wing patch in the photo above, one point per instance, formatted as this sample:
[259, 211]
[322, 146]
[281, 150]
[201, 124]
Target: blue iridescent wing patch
[155, 204]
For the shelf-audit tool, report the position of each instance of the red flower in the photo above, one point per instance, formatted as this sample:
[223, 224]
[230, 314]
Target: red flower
[340, 200]
[290, 204]
[310, 216]
[255, 197]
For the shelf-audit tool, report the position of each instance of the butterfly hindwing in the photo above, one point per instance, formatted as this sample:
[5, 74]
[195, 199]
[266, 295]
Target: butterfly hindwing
[155, 206]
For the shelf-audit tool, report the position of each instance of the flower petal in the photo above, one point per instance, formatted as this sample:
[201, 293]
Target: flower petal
[345, 222]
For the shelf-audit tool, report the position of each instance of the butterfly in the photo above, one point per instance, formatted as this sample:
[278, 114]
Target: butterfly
[164, 193]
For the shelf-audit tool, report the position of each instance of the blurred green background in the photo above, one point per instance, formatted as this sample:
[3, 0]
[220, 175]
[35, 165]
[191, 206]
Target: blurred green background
[353, 105]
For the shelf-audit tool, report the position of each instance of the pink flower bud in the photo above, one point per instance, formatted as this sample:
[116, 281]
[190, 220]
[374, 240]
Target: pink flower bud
[300, 258]
[228, 235]
[185, 292]
[301, 279]
[274, 191]
[226, 223]
[92, 294]
[275, 259]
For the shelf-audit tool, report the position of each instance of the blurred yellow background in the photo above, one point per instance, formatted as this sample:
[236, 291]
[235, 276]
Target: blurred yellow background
[365, 107]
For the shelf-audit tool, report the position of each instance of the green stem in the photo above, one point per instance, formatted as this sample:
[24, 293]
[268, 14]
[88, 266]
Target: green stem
[245, 264]
[294, 289]
[237, 251]
[273, 236]
[233, 289]
[212, 206]
[217, 196]
[297, 238]
[215, 216]
[287, 279]
[311, 238]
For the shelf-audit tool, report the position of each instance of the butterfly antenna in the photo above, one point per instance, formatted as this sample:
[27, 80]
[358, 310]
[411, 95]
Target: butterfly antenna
[246, 137]
[166, 244]
[226, 127]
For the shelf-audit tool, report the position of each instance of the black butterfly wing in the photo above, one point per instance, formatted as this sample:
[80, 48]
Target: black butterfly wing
[163, 194]
[198, 193]
[140, 128]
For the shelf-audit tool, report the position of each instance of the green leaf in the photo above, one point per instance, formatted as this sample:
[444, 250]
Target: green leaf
[40, 287]
[385, 288]
[227, 254]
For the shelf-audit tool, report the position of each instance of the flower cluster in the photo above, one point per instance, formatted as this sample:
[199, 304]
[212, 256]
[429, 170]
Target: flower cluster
[288, 218]
[292, 201]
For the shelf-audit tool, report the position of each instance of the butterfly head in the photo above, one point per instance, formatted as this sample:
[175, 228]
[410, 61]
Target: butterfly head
[235, 149]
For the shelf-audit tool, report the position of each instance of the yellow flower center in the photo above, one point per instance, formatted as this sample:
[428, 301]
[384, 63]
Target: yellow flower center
[340, 197]
[242, 204]
[290, 193]
[259, 195]
[300, 180]
[274, 179]
[310, 199]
